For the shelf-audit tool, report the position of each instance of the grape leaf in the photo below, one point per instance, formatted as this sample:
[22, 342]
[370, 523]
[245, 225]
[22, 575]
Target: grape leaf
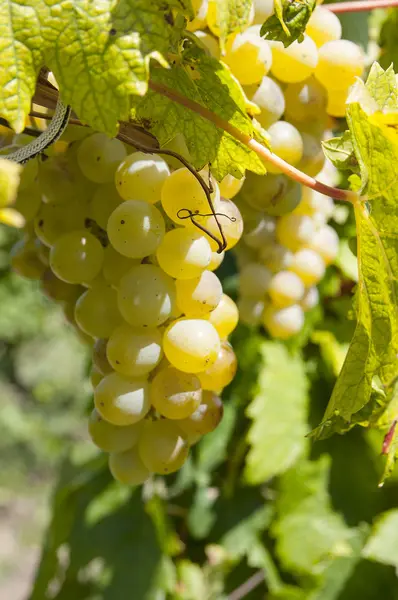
[340, 152]
[382, 546]
[289, 21]
[209, 83]
[382, 85]
[279, 415]
[388, 41]
[374, 348]
[230, 16]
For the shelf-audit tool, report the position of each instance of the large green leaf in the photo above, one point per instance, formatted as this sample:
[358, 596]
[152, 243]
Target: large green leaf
[382, 545]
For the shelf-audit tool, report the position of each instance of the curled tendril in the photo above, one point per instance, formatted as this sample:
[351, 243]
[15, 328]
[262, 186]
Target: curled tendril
[191, 215]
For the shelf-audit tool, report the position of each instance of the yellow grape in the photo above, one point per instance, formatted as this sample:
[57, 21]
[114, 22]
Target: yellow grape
[95, 376]
[224, 317]
[120, 400]
[175, 394]
[248, 55]
[128, 468]
[286, 142]
[103, 203]
[308, 265]
[250, 310]
[207, 416]
[337, 103]
[197, 297]
[263, 9]
[134, 352]
[339, 63]
[230, 186]
[216, 260]
[77, 257]
[141, 176]
[276, 257]
[285, 289]
[284, 323]
[222, 372]
[184, 254]
[191, 345]
[294, 231]
[162, 447]
[325, 241]
[230, 219]
[200, 10]
[112, 438]
[305, 100]
[310, 299]
[98, 157]
[99, 356]
[323, 26]
[270, 99]
[295, 63]
[97, 312]
[315, 205]
[254, 280]
[313, 157]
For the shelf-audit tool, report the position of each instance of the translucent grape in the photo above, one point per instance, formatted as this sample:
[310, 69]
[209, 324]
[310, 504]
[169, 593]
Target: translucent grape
[135, 229]
[199, 296]
[175, 394]
[162, 448]
[60, 180]
[77, 257]
[112, 438]
[128, 468]
[305, 100]
[294, 231]
[285, 289]
[216, 260]
[209, 42]
[99, 356]
[308, 265]
[286, 142]
[191, 345]
[310, 299]
[231, 222]
[59, 290]
[295, 63]
[337, 103]
[184, 254]
[98, 157]
[134, 352]
[284, 323]
[207, 416]
[339, 63]
[146, 296]
[222, 372]
[325, 241]
[250, 310]
[97, 312]
[225, 317]
[95, 376]
[230, 186]
[25, 261]
[323, 26]
[103, 203]
[254, 280]
[141, 176]
[313, 157]
[248, 56]
[54, 220]
[270, 99]
[122, 401]
[260, 191]
[276, 257]
[116, 265]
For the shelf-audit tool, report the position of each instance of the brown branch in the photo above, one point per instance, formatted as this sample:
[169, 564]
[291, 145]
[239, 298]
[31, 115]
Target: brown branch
[362, 5]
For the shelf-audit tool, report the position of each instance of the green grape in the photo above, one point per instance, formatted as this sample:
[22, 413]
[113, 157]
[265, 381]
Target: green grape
[294, 231]
[340, 62]
[230, 186]
[248, 56]
[224, 317]
[222, 372]
[112, 438]
[313, 157]
[116, 265]
[216, 260]
[325, 241]
[97, 312]
[305, 100]
[141, 176]
[254, 281]
[197, 297]
[286, 142]
[99, 357]
[77, 257]
[191, 345]
[337, 103]
[99, 156]
[103, 203]
[25, 261]
[184, 254]
[134, 352]
[95, 376]
[263, 9]
[209, 42]
[230, 220]
[28, 202]
[250, 311]
[310, 299]
[323, 26]
[285, 289]
[308, 265]
[162, 447]
[122, 401]
[174, 394]
[207, 416]
[135, 229]
[275, 257]
[179, 145]
[128, 468]
[284, 323]
[146, 296]
[295, 63]
[29, 175]
[270, 99]
[260, 191]
[182, 194]
[59, 290]
[59, 181]
[54, 220]
[283, 204]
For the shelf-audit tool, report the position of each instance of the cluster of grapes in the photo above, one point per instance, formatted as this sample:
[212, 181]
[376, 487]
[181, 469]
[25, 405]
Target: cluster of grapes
[298, 90]
[107, 237]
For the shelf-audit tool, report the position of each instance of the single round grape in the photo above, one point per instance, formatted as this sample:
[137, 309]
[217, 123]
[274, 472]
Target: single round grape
[216, 260]
[286, 203]
[25, 261]
[250, 311]
[254, 280]
[28, 202]
[99, 356]
[191, 345]
[323, 26]
[134, 352]
[230, 220]
[197, 297]
[77, 257]
[97, 312]
[225, 317]
[135, 229]
[54, 220]
[285, 322]
[310, 299]
[122, 401]
[175, 394]
[308, 265]
[222, 372]
[230, 186]
[294, 231]
[209, 42]
[339, 63]
[141, 176]
[207, 416]
[184, 254]
[263, 9]
[103, 203]
[182, 195]
[128, 468]
[260, 191]
[286, 142]
[286, 288]
[95, 376]
[275, 257]
[325, 241]
[162, 448]
[305, 100]
[313, 157]
[248, 56]
[98, 157]
[146, 296]
[270, 99]
[59, 290]
[296, 62]
[116, 265]
[337, 103]
[112, 438]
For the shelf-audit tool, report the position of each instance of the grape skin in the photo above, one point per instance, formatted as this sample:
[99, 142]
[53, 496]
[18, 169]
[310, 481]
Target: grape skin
[191, 345]
[134, 352]
[112, 438]
[128, 468]
[141, 177]
[207, 416]
[122, 401]
[184, 254]
[162, 447]
[98, 157]
[222, 372]
[77, 257]
[96, 311]
[175, 394]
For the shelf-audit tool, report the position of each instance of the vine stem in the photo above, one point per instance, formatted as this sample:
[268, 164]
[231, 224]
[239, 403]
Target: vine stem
[362, 5]
[265, 154]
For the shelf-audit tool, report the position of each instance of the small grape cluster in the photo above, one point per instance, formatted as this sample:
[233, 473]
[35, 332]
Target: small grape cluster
[105, 237]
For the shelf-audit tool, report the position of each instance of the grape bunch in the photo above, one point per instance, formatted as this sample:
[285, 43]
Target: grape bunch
[106, 237]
